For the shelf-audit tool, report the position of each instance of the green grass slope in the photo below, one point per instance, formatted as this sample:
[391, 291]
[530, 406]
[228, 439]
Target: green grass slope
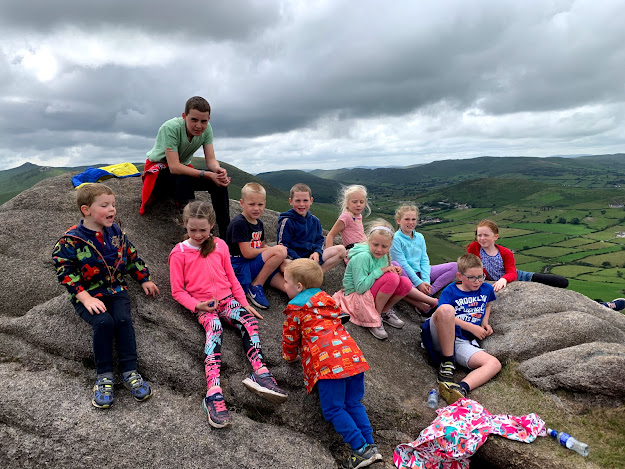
[324, 190]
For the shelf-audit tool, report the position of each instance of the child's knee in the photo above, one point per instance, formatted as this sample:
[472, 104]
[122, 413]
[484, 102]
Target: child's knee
[405, 285]
[495, 364]
[337, 251]
[279, 251]
[444, 313]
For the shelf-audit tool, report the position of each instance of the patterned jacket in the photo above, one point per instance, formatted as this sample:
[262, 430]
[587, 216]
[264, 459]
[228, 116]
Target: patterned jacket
[313, 328]
[81, 266]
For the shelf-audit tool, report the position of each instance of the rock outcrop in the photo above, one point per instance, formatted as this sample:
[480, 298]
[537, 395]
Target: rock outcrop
[560, 338]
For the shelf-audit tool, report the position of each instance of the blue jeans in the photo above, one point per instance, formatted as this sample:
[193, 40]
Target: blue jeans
[115, 323]
[341, 406]
[523, 276]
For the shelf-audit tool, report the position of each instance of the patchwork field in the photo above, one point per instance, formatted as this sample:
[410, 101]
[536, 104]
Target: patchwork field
[586, 243]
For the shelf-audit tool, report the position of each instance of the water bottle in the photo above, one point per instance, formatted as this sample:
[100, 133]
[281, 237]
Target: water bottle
[433, 398]
[569, 442]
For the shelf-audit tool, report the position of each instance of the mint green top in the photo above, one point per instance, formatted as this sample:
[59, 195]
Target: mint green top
[362, 270]
[173, 134]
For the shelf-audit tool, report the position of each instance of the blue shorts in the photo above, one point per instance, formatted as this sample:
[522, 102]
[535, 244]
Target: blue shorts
[247, 270]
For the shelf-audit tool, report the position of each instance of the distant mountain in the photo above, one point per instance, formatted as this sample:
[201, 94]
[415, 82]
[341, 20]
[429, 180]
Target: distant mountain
[519, 193]
[323, 190]
[15, 180]
[480, 182]
[598, 172]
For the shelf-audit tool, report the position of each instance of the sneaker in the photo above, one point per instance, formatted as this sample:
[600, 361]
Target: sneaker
[617, 304]
[216, 411]
[256, 295]
[446, 372]
[426, 313]
[451, 392]
[344, 317]
[139, 389]
[378, 332]
[364, 456]
[265, 386]
[102, 393]
[390, 318]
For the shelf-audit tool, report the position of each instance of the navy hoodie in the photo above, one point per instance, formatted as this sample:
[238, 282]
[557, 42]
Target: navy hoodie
[301, 235]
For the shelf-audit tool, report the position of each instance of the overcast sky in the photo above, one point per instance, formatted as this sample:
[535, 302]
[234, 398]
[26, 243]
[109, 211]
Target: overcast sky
[312, 84]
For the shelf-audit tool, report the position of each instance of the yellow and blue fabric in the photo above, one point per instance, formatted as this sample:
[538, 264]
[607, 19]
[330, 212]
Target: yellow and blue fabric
[91, 175]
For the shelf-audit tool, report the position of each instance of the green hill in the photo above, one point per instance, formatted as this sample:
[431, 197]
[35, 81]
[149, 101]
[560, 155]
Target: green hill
[324, 190]
[500, 192]
[15, 180]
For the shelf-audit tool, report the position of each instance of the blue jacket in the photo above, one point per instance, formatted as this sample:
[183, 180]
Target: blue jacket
[411, 255]
[301, 235]
[80, 262]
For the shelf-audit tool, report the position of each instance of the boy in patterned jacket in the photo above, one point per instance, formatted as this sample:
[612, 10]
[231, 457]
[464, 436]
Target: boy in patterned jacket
[330, 357]
[91, 260]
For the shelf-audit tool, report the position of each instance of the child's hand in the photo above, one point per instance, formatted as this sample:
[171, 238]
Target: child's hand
[251, 310]
[93, 305]
[478, 331]
[499, 284]
[424, 287]
[314, 256]
[150, 288]
[208, 306]
[392, 268]
[488, 329]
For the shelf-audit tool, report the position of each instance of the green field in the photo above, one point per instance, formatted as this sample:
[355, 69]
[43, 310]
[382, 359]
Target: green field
[590, 252]
[563, 228]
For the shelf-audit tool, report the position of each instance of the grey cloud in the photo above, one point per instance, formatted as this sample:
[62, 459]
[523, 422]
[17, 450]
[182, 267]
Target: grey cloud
[194, 19]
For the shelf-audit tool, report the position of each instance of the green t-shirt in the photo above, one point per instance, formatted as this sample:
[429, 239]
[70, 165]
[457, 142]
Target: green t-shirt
[173, 134]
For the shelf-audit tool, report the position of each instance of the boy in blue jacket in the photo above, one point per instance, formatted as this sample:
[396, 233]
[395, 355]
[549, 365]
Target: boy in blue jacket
[91, 260]
[300, 231]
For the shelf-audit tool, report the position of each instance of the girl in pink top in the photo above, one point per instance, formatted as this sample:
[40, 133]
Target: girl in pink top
[353, 201]
[202, 280]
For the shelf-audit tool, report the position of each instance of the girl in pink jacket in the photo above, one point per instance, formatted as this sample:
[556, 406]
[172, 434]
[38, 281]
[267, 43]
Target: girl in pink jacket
[202, 280]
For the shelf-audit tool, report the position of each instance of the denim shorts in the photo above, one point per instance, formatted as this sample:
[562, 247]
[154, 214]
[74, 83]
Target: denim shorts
[247, 270]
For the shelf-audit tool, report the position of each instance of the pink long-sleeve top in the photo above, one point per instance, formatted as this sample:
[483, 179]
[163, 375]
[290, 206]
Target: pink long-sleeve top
[195, 278]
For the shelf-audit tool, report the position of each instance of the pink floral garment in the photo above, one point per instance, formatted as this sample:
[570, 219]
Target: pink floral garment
[458, 431]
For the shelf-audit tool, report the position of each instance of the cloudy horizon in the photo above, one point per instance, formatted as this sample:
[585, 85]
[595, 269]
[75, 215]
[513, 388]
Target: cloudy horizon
[304, 85]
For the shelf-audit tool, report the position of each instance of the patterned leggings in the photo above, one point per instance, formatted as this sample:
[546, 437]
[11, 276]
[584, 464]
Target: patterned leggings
[230, 311]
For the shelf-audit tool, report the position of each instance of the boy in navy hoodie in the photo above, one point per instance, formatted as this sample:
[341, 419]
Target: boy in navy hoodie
[300, 231]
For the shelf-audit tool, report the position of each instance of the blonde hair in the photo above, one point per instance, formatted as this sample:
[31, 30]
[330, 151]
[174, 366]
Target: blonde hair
[468, 261]
[202, 211]
[305, 271]
[403, 209]
[252, 188]
[381, 227]
[299, 187]
[86, 194]
[347, 191]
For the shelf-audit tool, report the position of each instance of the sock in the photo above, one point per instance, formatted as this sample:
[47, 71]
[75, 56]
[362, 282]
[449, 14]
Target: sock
[447, 359]
[361, 449]
[464, 386]
[108, 374]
